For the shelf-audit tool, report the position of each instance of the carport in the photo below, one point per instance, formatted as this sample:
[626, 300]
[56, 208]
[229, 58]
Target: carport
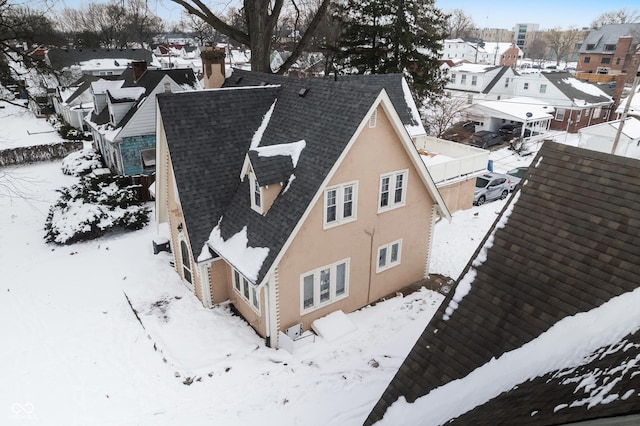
[533, 114]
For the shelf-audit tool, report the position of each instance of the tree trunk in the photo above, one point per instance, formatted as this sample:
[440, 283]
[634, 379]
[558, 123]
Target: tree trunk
[259, 24]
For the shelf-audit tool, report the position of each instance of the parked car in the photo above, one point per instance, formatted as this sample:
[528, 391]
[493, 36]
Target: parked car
[485, 139]
[490, 186]
[510, 131]
[515, 176]
[460, 132]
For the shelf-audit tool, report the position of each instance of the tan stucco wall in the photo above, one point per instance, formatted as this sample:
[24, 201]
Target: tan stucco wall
[220, 277]
[459, 195]
[376, 151]
[174, 213]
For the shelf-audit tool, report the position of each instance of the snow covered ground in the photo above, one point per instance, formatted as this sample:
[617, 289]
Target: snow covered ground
[73, 351]
[19, 127]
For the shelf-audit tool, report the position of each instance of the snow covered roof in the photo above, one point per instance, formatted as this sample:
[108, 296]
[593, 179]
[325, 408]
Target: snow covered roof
[634, 108]
[127, 94]
[631, 128]
[474, 68]
[542, 326]
[582, 93]
[62, 58]
[519, 107]
[289, 127]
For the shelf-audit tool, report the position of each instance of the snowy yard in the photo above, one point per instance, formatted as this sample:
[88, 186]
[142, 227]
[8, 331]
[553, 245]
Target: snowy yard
[74, 353]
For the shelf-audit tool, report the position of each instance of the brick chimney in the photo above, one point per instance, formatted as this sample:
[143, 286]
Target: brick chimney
[139, 68]
[213, 67]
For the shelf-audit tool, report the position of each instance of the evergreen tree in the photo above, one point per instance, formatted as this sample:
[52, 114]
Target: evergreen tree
[392, 36]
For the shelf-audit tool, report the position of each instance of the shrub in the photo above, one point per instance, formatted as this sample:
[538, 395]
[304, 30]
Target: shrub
[81, 162]
[92, 207]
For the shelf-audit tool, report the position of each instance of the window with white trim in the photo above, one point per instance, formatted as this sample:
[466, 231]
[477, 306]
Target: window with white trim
[388, 256]
[474, 80]
[526, 86]
[324, 285]
[393, 189]
[463, 79]
[373, 118]
[560, 114]
[256, 194]
[543, 88]
[340, 204]
[246, 290]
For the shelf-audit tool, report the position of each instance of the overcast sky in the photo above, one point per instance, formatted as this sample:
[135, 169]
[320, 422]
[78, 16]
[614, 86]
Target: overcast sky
[486, 14]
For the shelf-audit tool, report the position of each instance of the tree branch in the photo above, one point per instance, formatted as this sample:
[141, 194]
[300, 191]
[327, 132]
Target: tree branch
[203, 12]
[306, 37]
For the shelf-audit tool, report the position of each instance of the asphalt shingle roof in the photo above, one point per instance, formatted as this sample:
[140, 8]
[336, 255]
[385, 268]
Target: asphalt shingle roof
[392, 83]
[270, 170]
[571, 243]
[563, 80]
[608, 34]
[62, 58]
[214, 129]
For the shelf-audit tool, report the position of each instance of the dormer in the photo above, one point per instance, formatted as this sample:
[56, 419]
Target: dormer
[270, 170]
[99, 92]
[120, 102]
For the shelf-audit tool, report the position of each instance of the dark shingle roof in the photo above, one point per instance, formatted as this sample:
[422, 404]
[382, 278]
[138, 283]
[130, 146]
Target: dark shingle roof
[270, 170]
[214, 129]
[207, 148]
[62, 58]
[570, 244]
[608, 34]
[563, 81]
[392, 83]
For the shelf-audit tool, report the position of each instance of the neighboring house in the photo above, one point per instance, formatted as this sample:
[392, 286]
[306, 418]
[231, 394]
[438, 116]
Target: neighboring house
[475, 82]
[174, 38]
[73, 63]
[577, 103]
[503, 54]
[601, 137]
[292, 199]
[74, 102]
[478, 52]
[123, 120]
[610, 51]
[542, 327]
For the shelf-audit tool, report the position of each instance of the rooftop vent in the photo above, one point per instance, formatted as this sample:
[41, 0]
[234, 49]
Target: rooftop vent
[239, 79]
[303, 92]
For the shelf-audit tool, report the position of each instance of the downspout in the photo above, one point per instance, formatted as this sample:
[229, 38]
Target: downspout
[267, 313]
[370, 234]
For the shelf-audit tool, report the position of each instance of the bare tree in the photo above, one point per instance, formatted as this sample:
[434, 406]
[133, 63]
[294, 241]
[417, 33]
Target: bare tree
[202, 31]
[622, 16]
[562, 43]
[116, 24]
[538, 51]
[460, 24]
[442, 112]
[261, 17]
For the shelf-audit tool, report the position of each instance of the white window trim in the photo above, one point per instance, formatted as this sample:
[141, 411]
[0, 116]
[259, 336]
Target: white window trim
[392, 185]
[340, 220]
[388, 263]
[253, 291]
[252, 184]
[332, 286]
[373, 118]
[560, 112]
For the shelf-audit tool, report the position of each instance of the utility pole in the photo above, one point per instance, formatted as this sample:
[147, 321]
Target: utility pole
[626, 111]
